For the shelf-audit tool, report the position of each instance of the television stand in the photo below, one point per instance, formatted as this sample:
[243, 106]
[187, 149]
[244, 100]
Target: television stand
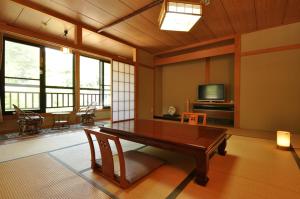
[217, 112]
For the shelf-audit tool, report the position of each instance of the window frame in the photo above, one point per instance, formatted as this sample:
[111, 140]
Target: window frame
[42, 98]
[101, 80]
[58, 87]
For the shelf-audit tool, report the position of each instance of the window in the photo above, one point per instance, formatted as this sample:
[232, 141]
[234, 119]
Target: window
[59, 81]
[21, 76]
[123, 91]
[107, 84]
[36, 78]
[95, 82]
[41, 79]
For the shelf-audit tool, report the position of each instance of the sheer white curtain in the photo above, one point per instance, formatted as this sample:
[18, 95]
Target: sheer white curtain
[1, 46]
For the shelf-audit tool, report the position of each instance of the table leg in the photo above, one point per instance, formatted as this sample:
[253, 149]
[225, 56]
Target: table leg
[221, 147]
[202, 164]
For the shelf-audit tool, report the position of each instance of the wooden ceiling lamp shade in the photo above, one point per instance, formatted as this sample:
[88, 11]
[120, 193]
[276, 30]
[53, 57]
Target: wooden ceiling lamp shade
[180, 15]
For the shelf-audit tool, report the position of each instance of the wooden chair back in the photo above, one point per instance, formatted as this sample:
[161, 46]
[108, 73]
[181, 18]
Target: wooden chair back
[193, 118]
[107, 166]
[18, 111]
[21, 114]
[28, 120]
[90, 110]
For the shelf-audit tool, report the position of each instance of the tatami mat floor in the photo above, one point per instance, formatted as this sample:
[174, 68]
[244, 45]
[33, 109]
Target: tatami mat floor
[58, 167]
[39, 177]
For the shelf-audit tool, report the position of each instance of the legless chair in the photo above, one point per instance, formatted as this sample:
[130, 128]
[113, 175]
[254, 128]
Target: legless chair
[28, 121]
[193, 118]
[87, 114]
[122, 169]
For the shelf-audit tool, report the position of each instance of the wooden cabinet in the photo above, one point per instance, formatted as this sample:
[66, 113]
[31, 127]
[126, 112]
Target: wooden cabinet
[215, 110]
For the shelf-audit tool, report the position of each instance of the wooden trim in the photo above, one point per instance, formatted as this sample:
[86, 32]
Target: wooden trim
[63, 17]
[57, 41]
[146, 66]
[77, 81]
[136, 93]
[194, 45]
[237, 74]
[78, 41]
[136, 84]
[228, 49]
[207, 70]
[123, 60]
[102, 110]
[78, 35]
[270, 50]
[154, 91]
[136, 12]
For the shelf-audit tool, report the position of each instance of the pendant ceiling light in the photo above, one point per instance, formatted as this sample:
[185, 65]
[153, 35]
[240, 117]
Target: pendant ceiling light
[180, 15]
[66, 50]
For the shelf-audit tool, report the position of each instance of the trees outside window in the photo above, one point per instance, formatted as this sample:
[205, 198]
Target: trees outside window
[95, 82]
[41, 79]
[21, 76]
[59, 80]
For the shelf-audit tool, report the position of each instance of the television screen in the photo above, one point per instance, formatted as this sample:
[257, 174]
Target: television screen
[211, 92]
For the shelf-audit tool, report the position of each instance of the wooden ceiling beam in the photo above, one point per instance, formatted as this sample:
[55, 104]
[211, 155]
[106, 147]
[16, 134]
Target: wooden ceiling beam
[195, 45]
[136, 12]
[78, 35]
[63, 17]
[50, 39]
[223, 50]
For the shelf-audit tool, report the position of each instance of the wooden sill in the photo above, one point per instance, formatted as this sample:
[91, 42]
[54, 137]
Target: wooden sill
[14, 117]
[103, 110]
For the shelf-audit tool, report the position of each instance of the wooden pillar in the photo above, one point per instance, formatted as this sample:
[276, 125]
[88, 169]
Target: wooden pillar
[207, 70]
[154, 89]
[77, 81]
[78, 35]
[78, 42]
[136, 83]
[237, 72]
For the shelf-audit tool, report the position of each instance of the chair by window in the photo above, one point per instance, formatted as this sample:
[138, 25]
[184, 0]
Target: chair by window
[28, 121]
[122, 169]
[87, 114]
[193, 118]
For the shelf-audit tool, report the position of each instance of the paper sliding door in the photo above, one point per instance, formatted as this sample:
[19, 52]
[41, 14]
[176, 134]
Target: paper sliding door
[123, 90]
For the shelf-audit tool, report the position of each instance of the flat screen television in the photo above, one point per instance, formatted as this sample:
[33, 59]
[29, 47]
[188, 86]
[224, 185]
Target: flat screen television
[211, 92]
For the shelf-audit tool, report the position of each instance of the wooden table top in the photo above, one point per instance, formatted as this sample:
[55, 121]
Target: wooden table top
[202, 137]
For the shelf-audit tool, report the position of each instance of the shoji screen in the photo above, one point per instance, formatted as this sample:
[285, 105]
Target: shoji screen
[122, 91]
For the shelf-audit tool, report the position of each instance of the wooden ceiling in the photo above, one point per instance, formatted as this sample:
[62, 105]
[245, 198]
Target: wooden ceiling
[220, 18]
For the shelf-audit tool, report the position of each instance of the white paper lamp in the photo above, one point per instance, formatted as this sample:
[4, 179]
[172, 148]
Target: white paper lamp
[179, 15]
[283, 139]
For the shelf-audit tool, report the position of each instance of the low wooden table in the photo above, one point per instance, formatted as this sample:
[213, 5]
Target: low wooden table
[61, 120]
[198, 141]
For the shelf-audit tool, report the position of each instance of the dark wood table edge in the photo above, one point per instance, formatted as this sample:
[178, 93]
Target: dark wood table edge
[201, 155]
